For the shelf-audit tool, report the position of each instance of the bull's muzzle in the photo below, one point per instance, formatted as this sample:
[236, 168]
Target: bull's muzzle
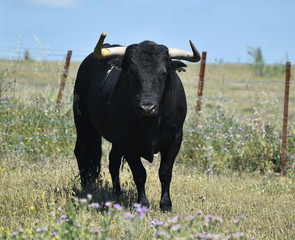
[147, 109]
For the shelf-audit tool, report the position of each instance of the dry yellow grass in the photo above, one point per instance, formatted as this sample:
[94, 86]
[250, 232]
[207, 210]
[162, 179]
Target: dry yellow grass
[31, 181]
[266, 201]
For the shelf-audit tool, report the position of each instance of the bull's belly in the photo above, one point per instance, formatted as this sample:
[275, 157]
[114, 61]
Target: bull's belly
[103, 124]
[105, 131]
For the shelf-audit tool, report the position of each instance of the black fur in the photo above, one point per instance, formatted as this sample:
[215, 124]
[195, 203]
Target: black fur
[138, 104]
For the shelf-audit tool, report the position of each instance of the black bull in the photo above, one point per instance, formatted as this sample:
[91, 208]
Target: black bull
[136, 102]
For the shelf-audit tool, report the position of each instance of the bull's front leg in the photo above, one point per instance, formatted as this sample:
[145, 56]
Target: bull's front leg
[139, 176]
[168, 156]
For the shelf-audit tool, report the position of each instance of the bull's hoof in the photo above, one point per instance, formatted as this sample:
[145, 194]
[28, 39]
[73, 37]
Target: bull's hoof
[166, 205]
[144, 202]
[165, 209]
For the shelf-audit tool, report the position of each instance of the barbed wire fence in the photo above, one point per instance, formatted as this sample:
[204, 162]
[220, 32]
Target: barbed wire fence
[286, 100]
[38, 71]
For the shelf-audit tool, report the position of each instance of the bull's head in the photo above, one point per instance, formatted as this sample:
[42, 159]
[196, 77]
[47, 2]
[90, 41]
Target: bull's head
[147, 66]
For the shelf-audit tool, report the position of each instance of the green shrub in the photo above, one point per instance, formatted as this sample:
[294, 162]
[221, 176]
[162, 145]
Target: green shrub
[220, 142]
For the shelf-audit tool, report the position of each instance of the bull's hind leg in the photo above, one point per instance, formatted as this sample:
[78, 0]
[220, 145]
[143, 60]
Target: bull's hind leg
[88, 151]
[168, 156]
[114, 167]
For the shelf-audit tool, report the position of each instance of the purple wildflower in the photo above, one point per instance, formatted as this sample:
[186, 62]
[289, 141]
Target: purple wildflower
[141, 211]
[136, 205]
[208, 219]
[118, 206]
[157, 223]
[108, 204]
[173, 220]
[89, 196]
[175, 227]
[241, 129]
[54, 233]
[190, 218]
[95, 231]
[93, 205]
[202, 198]
[236, 220]
[128, 215]
[200, 236]
[239, 235]
[41, 230]
[165, 234]
[200, 212]
[83, 200]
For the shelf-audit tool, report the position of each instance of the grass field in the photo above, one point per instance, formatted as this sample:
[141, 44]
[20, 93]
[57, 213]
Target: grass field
[225, 185]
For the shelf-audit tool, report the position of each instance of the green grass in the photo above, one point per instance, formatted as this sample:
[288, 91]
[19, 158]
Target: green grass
[28, 192]
[236, 87]
[228, 165]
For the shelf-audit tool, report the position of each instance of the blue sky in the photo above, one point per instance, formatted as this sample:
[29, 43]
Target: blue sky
[223, 28]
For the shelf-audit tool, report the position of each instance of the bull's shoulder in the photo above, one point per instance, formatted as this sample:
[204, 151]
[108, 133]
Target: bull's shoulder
[175, 91]
[174, 104]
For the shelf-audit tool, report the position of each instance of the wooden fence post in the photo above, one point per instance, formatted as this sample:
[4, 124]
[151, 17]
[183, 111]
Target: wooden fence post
[285, 120]
[201, 81]
[64, 77]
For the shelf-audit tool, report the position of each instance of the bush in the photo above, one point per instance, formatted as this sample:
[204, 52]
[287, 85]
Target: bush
[220, 142]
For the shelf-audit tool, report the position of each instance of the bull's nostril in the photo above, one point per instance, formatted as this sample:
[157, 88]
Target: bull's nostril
[147, 109]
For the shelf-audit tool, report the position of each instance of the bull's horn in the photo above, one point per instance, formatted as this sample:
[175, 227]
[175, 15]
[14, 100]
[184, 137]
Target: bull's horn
[194, 56]
[100, 52]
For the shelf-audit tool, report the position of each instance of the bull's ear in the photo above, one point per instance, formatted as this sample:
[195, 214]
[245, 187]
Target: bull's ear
[176, 66]
[116, 62]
